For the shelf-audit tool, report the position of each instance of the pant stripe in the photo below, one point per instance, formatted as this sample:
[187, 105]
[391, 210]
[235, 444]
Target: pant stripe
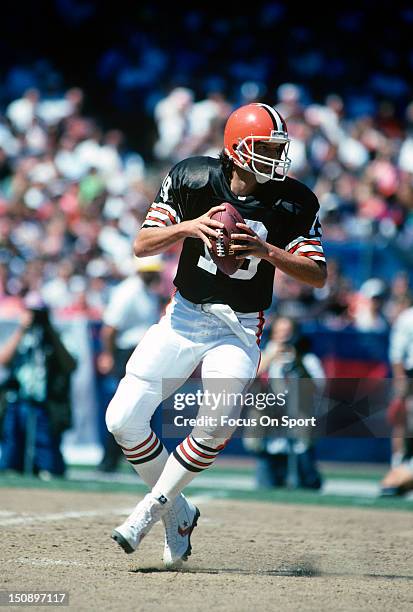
[260, 326]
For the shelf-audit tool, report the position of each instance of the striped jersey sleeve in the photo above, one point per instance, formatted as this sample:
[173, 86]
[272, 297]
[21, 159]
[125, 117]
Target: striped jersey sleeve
[166, 209]
[307, 246]
[305, 240]
[160, 215]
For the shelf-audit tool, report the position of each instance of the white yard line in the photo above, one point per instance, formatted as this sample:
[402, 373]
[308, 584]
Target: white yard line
[80, 514]
[43, 562]
[60, 516]
[359, 488]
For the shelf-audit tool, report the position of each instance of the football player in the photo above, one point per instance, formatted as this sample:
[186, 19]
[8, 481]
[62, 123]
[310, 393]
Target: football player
[213, 318]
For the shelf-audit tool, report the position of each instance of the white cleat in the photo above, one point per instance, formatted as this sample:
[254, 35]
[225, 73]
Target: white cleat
[148, 512]
[179, 522]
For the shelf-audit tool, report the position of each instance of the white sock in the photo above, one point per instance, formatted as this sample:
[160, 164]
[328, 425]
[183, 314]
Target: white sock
[188, 459]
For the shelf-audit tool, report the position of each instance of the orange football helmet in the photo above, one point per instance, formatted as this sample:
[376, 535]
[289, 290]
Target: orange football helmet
[255, 123]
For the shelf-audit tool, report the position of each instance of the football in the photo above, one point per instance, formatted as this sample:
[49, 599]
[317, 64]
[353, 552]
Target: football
[221, 252]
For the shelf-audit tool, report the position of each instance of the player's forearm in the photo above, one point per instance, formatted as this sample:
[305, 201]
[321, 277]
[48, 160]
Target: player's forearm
[301, 268]
[152, 241]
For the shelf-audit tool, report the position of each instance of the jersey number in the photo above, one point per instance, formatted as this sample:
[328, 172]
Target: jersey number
[251, 263]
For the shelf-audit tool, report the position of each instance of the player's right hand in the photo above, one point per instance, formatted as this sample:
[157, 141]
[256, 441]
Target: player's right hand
[203, 226]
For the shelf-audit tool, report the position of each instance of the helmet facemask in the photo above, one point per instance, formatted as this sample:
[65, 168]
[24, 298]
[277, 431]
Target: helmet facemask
[271, 168]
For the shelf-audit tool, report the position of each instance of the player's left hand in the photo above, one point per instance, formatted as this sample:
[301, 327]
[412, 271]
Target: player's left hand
[250, 244]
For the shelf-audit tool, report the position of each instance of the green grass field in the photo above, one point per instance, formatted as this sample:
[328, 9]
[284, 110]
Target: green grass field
[223, 482]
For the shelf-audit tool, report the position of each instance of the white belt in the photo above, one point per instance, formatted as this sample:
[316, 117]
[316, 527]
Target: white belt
[228, 316]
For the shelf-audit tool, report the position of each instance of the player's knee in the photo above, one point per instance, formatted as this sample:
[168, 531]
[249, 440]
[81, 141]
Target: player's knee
[131, 407]
[119, 425]
[120, 410]
[114, 418]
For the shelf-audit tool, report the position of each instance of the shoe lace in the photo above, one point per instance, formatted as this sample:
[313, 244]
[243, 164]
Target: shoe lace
[170, 522]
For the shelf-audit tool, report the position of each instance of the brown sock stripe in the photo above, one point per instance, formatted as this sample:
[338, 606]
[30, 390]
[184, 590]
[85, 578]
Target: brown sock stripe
[156, 452]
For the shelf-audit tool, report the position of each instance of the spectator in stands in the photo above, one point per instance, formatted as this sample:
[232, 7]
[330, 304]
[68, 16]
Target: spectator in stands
[282, 461]
[400, 414]
[333, 299]
[56, 292]
[35, 394]
[172, 115]
[21, 112]
[133, 307]
[368, 315]
[399, 298]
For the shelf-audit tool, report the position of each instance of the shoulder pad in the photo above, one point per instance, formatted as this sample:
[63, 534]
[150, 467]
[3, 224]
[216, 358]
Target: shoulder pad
[193, 172]
[299, 193]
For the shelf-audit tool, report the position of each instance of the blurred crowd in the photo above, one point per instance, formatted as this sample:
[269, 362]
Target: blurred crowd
[71, 200]
[73, 195]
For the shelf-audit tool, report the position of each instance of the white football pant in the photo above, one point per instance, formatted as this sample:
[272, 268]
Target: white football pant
[225, 342]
